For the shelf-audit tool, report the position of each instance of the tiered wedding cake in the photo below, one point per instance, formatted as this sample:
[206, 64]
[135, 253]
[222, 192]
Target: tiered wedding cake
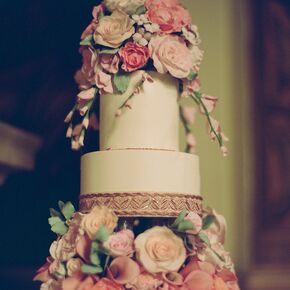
[141, 58]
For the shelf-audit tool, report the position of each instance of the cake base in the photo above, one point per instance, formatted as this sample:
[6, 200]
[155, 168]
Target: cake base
[98, 250]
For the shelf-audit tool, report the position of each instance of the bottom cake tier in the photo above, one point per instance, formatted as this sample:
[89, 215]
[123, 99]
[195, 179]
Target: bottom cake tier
[97, 250]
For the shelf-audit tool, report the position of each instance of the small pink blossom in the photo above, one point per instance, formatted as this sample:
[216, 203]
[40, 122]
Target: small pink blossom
[104, 83]
[86, 95]
[121, 243]
[97, 10]
[133, 56]
[110, 63]
[209, 103]
[189, 114]
[190, 139]
[89, 61]
[190, 87]
[216, 127]
[90, 29]
[43, 274]
[196, 221]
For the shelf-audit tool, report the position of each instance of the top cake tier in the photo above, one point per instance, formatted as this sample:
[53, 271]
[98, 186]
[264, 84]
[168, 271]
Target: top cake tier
[151, 120]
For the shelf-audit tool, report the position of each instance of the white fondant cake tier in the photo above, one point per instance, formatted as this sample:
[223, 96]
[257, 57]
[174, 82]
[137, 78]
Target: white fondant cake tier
[141, 182]
[153, 121]
[140, 171]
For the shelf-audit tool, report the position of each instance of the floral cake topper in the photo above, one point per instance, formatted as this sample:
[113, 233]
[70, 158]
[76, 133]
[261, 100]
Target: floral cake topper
[129, 35]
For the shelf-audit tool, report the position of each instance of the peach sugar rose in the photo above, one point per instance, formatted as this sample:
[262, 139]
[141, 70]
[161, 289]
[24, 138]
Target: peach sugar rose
[160, 250]
[170, 54]
[113, 30]
[97, 217]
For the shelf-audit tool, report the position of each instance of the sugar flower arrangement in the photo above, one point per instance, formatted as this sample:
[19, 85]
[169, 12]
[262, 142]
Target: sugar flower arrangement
[129, 35]
[91, 252]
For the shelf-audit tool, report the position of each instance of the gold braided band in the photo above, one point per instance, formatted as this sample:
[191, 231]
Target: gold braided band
[143, 204]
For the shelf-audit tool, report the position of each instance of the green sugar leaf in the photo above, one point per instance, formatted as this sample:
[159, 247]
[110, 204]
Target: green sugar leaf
[109, 51]
[101, 15]
[192, 75]
[207, 221]
[68, 210]
[60, 204]
[59, 228]
[87, 41]
[95, 247]
[121, 81]
[185, 225]
[179, 219]
[54, 213]
[95, 260]
[54, 220]
[204, 238]
[102, 234]
[141, 10]
[89, 269]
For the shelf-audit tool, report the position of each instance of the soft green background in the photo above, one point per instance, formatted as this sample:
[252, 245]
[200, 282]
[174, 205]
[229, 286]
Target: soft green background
[226, 183]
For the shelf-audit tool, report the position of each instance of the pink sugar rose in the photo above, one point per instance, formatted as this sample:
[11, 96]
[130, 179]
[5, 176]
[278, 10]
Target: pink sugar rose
[219, 284]
[104, 83]
[170, 54]
[195, 219]
[151, 3]
[121, 243]
[199, 280]
[110, 62]
[145, 281]
[106, 284]
[133, 56]
[233, 286]
[170, 18]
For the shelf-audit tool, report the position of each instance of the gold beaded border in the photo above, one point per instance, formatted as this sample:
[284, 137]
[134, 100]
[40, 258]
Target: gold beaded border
[142, 203]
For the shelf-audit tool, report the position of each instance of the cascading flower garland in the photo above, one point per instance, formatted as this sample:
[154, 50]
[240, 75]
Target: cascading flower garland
[91, 252]
[129, 35]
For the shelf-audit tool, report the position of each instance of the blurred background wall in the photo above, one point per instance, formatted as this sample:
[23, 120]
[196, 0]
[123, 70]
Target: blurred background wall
[242, 66]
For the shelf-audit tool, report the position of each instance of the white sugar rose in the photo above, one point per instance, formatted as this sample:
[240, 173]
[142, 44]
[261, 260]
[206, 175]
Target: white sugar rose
[170, 54]
[113, 30]
[62, 250]
[128, 6]
[160, 250]
[97, 217]
[74, 267]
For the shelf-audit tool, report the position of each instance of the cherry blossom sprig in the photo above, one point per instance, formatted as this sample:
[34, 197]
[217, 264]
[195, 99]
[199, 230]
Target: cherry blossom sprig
[83, 109]
[206, 105]
[127, 103]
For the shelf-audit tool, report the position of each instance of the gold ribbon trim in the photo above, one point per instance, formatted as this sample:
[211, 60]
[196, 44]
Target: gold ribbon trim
[143, 204]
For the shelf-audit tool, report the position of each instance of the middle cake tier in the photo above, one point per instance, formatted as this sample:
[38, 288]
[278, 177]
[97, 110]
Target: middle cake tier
[141, 182]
